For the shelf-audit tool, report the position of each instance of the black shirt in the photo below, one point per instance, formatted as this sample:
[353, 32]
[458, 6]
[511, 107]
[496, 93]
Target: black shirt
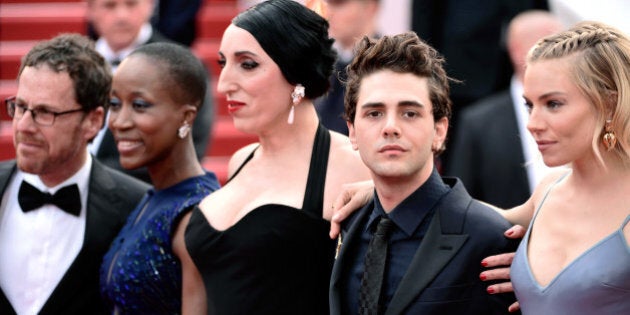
[411, 218]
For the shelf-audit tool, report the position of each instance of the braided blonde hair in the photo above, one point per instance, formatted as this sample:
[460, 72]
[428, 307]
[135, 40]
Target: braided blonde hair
[600, 68]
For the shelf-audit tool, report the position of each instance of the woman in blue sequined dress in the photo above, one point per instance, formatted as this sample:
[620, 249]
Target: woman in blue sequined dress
[156, 94]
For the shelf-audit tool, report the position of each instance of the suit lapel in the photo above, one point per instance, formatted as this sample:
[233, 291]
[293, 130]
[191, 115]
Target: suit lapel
[350, 239]
[7, 169]
[441, 242]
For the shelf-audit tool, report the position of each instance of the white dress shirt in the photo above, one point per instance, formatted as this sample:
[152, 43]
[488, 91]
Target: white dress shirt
[38, 247]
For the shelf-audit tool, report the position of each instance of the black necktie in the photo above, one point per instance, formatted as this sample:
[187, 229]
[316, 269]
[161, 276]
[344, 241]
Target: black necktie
[372, 280]
[67, 198]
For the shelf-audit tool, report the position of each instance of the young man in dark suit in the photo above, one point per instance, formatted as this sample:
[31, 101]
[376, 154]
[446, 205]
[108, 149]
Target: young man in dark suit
[60, 208]
[417, 247]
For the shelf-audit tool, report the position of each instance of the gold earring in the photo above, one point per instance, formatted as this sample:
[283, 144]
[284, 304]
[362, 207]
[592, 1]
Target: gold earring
[609, 138]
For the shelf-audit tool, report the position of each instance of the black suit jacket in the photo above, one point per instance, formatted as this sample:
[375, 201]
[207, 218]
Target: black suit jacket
[201, 131]
[469, 35]
[177, 19]
[487, 154]
[443, 277]
[112, 196]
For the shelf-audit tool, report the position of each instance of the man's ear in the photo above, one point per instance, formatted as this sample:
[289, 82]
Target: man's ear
[441, 130]
[352, 136]
[93, 122]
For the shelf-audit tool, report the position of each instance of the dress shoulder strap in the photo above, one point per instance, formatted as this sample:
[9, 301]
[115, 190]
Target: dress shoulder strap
[238, 170]
[314, 194]
[547, 194]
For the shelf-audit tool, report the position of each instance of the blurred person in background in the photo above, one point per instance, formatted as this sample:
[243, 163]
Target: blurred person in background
[177, 19]
[470, 35]
[349, 21]
[492, 151]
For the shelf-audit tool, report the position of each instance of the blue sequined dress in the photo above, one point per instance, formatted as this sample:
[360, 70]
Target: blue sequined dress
[140, 273]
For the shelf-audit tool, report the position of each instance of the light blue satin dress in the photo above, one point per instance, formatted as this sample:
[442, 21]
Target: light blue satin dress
[596, 282]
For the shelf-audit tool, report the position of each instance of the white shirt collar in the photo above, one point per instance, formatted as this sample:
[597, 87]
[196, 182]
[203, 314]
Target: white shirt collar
[109, 54]
[81, 178]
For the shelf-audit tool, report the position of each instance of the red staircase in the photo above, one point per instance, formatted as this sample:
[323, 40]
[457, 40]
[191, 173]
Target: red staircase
[24, 22]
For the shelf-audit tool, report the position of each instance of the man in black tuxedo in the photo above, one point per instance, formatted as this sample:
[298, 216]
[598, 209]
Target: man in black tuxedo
[492, 151]
[122, 26]
[60, 208]
[417, 247]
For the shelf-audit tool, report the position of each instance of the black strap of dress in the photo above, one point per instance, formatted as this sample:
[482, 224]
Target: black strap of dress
[314, 194]
[238, 170]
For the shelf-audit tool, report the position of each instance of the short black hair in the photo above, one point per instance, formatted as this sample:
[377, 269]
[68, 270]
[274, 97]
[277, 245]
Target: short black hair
[183, 72]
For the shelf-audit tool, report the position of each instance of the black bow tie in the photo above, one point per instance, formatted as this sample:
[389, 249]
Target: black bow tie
[67, 198]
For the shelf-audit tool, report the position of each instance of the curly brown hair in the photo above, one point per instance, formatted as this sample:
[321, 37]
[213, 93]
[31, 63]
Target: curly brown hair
[402, 53]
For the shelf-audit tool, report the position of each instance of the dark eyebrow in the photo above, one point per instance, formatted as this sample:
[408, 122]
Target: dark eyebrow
[244, 52]
[239, 53]
[401, 103]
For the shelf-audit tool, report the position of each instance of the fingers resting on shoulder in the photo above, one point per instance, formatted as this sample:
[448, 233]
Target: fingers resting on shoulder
[351, 198]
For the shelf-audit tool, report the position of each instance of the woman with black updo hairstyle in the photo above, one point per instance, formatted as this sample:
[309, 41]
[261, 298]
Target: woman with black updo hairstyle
[261, 242]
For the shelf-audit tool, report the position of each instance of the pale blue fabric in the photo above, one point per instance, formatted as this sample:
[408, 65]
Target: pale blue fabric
[596, 282]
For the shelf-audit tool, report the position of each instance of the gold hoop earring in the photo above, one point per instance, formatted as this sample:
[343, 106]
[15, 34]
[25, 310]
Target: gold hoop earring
[609, 138]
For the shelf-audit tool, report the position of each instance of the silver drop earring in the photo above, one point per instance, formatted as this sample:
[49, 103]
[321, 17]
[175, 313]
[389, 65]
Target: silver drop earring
[183, 131]
[296, 97]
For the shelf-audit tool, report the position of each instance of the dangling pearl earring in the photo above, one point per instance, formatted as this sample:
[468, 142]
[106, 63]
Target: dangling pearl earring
[296, 96]
[183, 131]
[609, 138]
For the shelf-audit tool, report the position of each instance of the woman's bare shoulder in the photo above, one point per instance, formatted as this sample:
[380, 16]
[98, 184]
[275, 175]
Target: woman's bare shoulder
[523, 214]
